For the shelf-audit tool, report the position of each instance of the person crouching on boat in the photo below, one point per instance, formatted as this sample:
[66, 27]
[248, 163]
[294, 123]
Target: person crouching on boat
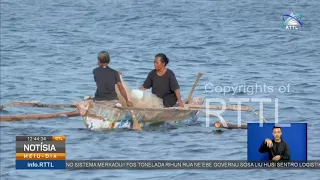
[163, 82]
[106, 78]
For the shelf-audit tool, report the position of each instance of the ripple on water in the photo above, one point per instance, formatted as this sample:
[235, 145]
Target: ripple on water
[48, 52]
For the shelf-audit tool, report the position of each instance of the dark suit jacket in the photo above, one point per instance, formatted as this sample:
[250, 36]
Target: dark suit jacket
[282, 150]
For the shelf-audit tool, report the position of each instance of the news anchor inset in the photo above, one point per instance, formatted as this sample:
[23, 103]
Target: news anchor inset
[277, 149]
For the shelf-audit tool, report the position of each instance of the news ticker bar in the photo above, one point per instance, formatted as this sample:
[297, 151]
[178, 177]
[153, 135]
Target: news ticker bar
[166, 164]
[42, 151]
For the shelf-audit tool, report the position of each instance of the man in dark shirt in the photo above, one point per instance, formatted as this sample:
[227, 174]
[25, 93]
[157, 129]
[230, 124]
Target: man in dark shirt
[277, 149]
[106, 78]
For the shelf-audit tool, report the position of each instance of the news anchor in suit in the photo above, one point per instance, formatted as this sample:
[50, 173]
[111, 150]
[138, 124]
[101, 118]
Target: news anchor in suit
[277, 149]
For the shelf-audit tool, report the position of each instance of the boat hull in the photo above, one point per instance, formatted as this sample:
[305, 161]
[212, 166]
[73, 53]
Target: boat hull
[106, 118]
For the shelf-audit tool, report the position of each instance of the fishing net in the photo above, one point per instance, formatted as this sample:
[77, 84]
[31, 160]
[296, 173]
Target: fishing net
[144, 99]
[140, 99]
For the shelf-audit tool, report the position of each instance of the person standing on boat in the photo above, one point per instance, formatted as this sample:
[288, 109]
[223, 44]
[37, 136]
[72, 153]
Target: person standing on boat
[163, 82]
[106, 78]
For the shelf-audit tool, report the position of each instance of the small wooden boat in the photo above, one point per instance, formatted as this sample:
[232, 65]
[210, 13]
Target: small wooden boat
[98, 116]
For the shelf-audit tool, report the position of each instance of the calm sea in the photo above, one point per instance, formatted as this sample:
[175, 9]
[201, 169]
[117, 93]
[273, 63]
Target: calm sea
[49, 49]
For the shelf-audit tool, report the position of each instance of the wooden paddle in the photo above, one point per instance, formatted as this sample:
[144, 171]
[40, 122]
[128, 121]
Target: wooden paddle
[228, 125]
[39, 116]
[186, 101]
[225, 124]
[136, 125]
[35, 104]
[191, 107]
[228, 107]
[219, 125]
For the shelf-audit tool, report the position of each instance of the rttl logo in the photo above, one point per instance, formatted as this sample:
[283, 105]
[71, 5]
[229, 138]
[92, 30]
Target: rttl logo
[291, 21]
